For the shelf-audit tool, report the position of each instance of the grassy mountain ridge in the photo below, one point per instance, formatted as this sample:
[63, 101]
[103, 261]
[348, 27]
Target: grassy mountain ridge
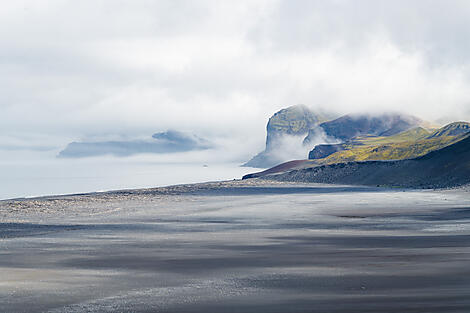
[351, 126]
[324, 151]
[315, 127]
[361, 137]
[406, 145]
[410, 144]
[452, 129]
[446, 167]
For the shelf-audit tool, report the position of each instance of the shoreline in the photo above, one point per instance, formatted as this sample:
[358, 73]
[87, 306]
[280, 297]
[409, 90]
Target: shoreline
[250, 246]
[200, 187]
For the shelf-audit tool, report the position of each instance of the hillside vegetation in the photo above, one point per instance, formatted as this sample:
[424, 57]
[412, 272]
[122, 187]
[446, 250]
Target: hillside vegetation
[348, 127]
[310, 128]
[443, 168]
[406, 145]
[386, 149]
[453, 129]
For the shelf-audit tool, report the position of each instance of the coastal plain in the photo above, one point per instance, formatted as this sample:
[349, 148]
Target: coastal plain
[238, 246]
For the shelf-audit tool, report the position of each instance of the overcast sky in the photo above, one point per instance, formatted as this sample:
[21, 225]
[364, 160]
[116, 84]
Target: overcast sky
[86, 69]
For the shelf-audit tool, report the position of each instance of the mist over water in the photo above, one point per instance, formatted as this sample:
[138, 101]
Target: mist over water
[37, 174]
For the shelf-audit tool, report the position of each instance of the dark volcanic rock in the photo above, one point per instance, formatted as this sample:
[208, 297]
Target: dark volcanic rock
[322, 151]
[283, 167]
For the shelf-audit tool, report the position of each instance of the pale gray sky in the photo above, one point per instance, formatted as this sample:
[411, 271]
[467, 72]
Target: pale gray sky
[72, 70]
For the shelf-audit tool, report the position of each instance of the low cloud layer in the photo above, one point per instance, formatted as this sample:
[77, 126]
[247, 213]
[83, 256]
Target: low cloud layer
[75, 70]
[288, 147]
[161, 143]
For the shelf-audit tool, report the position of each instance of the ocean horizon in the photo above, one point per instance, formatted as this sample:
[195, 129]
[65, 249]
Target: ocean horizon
[26, 177]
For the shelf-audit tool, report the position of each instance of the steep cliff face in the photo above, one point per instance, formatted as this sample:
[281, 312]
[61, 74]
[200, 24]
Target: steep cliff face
[295, 120]
[289, 124]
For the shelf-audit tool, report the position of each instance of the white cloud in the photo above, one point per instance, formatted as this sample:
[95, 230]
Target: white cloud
[76, 69]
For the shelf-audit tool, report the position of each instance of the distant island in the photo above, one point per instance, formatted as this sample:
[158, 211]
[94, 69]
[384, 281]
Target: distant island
[393, 150]
[169, 141]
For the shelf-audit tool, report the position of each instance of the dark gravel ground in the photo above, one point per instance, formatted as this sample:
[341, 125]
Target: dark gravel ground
[248, 246]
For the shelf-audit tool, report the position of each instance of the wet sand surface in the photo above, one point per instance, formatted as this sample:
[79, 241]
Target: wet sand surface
[242, 246]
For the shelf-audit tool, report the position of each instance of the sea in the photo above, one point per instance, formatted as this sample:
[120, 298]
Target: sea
[32, 174]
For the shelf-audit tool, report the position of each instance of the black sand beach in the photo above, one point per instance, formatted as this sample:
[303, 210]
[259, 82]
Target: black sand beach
[241, 246]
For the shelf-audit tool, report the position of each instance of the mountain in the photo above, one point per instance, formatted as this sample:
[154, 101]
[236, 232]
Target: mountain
[323, 151]
[446, 167]
[406, 145]
[452, 129]
[164, 142]
[350, 126]
[294, 121]
[409, 144]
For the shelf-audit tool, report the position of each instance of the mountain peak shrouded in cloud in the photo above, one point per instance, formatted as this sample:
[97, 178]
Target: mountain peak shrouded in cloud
[292, 132]
[294, 120]
[353, 125]
[365, 138]
[286, 130]
[170, 141]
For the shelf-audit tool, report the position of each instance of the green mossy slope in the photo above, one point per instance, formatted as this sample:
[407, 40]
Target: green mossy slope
[406, 145]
